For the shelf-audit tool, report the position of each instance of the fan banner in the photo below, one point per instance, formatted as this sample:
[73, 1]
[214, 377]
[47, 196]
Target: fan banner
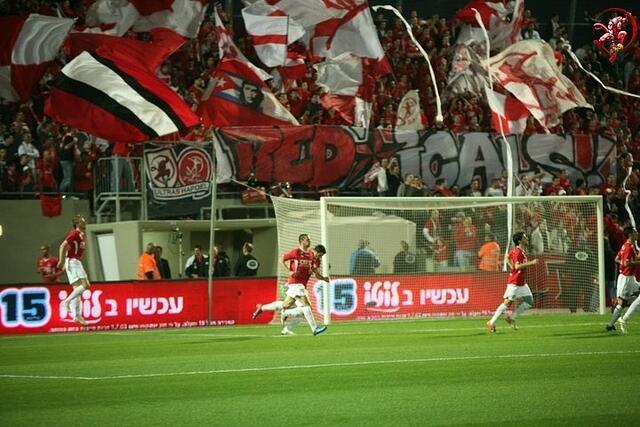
[178, 179]
[33, 308]
[339, 157]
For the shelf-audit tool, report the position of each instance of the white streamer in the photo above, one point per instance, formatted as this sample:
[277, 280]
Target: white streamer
[621, 92]
[504, 139]
[439, 117]
[593, 76]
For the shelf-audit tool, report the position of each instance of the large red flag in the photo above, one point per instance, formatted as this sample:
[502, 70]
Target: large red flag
[236, 96]
[163, 43]
[113, 96]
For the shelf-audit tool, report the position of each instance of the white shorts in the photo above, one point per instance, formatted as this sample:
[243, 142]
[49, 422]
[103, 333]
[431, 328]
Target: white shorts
[514, 292]
[626, 286]
[296, 290]
[75, 270]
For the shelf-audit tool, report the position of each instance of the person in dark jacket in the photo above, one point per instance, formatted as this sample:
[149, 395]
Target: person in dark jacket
[247, 264]
[163, 264]
[197, 265]
[221, 262]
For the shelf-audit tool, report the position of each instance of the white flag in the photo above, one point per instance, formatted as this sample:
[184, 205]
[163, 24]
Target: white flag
[409, 116]
[529, 71]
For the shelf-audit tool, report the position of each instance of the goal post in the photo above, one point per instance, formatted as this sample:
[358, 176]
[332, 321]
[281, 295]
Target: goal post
[412, 257]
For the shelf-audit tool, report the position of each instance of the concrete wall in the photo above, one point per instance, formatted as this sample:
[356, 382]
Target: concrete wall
[24, 230]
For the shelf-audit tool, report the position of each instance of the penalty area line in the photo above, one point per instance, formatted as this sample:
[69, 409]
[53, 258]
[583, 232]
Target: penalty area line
[322, 365]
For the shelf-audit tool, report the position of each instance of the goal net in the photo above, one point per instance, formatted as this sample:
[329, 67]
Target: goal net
[392, 258]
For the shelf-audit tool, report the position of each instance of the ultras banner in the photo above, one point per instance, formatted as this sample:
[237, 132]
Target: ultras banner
[178, 179]
[332, 156]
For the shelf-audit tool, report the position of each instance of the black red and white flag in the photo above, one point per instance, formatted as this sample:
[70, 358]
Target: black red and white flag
[112, 96]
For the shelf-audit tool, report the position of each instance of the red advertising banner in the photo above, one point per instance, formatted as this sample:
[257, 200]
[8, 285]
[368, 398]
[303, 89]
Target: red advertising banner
[132, 305]
[426, 295]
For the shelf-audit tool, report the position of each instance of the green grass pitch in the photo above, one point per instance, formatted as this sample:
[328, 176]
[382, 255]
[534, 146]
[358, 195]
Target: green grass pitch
[555, 370]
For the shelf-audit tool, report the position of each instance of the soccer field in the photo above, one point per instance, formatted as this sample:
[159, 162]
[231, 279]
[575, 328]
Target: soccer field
[555, 370]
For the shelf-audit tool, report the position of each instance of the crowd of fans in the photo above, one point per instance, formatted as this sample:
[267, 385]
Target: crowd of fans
[37, 154]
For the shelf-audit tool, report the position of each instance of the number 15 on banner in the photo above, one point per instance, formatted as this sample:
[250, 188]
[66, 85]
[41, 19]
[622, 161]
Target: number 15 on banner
[343, 296]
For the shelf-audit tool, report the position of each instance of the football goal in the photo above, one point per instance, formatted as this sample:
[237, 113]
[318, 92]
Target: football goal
[393, 258]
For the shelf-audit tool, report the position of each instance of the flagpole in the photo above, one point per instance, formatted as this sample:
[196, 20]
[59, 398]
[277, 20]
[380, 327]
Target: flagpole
[504, 139]
[439, 117]
[212, 230]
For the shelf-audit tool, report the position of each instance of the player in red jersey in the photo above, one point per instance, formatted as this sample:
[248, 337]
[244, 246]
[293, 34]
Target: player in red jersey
[301, 263]
[627, 286]
[48, 266]
[517, 287]
[71, 251]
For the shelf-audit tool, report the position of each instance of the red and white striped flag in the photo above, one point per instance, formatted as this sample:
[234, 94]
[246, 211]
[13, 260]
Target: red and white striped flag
[529, 71]
[112, 96]
[237, 96]
[347, 83]
[27, 45]
[184, 17]
[351, 31]
[502, 30]
[508, 115]
[294, 68]
[308, 12]
[228, 49]
[271, 31]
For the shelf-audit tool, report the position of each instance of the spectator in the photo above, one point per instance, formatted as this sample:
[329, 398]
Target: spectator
[441, 189]
[197, 265]
[27, 148]
[48, 266]
[402, 188]
[66, 153]
[363, 260]
[393, 179]
[162, 263]
[417, 188]
[539, 236]
[247, 265]
[147, 267]
[441, 254]
[221, 262]
[405, 261]
[3, 165]
[378, 173]
[495, 190]
[489, 254]
[466, 240]
[474, 189]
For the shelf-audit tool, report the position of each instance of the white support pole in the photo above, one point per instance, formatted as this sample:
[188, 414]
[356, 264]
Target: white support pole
[324, 236]
[602, 286]
[212, 232]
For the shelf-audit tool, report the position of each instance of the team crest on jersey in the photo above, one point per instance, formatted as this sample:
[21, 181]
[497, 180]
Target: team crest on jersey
[174, 175]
